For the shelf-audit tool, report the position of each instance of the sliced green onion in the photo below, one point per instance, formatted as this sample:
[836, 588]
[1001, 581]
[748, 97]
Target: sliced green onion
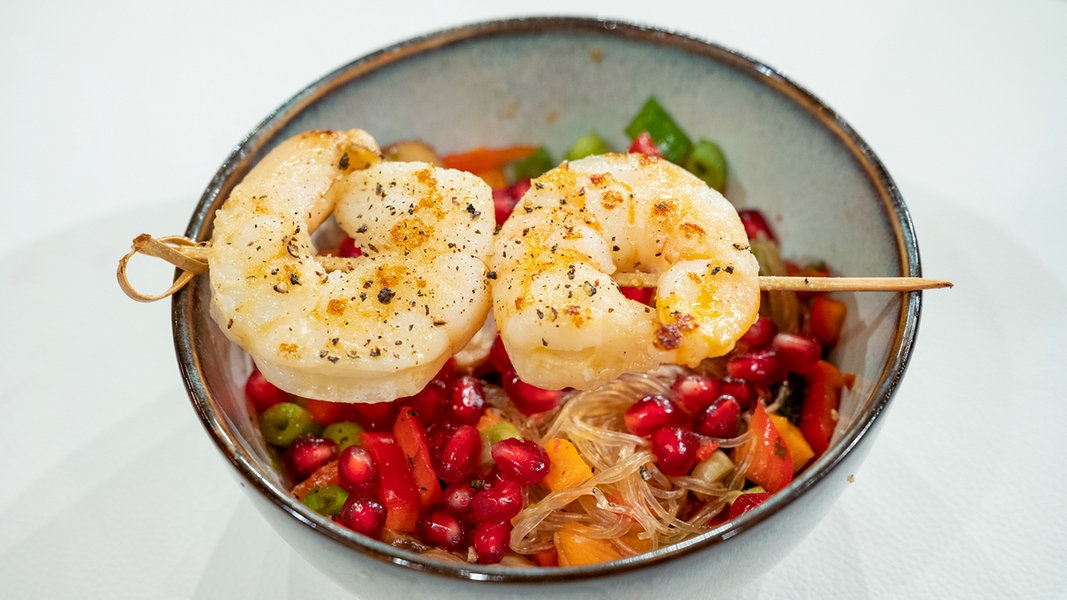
[707, 162]
[500, 430]
[588, 145]
[327, 500]
[284, 422]
[673, 143]
[344, 433]
[532, 166]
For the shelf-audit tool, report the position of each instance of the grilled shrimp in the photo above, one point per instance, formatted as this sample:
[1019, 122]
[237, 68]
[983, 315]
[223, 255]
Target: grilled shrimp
[383, 325]
[565, 322]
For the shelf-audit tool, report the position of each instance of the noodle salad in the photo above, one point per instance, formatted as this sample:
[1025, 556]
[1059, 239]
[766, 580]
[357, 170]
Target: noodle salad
[482, 466]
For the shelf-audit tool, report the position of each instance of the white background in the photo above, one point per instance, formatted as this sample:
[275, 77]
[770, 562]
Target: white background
[115, 115]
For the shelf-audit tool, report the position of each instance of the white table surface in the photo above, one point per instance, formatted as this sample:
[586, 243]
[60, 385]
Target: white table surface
[115, 116]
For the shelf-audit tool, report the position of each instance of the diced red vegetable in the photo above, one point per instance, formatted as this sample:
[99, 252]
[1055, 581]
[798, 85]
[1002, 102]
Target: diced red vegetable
[397, 490]
[644, 144]
[410, 434]
[756, 224]
[327, 413]
[827, 319]
[771, 466]
[746, 502]
[822, 399]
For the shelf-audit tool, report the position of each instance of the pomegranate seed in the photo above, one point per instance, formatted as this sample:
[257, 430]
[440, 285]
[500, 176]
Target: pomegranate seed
[675, 448]
[523, 462]
[428, 403]
[491, 541]
[759, 335]
[262, 393]
[466, 400]
[742, 391]
[443, 529]
[456, 450]
[457, 497]
[377, 416]
[761, 367]
[363, 515]
[530, 400]
[756, 225]
[356, 471]
[650, 413]
[498, 357]
[348, 249]
[493, 477]
[721, 419]
[799, 353]
[500, 502]
[306, 454]
[694, 393]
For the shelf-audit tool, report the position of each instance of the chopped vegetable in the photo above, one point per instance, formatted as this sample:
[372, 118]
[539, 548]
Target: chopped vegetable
[327, 500]
[410, 435]
[771, 466]
[326, 413]
[484, 159]
[799, 449]
[324, 476]
[707, 162]
[344, 433]
[576, 547]
[568, 468]
[284, 422]
[532, 166]
[644, 144]
[827, 319]
[672, 141]
[396, 483]
[747, 501]
[588, 145]
[822, 398]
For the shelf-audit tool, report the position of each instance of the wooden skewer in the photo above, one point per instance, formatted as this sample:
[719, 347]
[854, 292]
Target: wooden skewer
[774, 283]
[191, 258]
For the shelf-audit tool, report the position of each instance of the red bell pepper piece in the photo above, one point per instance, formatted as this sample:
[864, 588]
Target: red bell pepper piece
[396, 484]
[746, 502]
[827, 319]
[410, 434]
[771, 466]
[644, 144]
[818, 412]
[327, 413]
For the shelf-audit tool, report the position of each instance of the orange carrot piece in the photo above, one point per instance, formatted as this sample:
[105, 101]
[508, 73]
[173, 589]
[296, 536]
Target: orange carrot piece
[322, 477]
[481, 158]
[567, 467]
[576, 547]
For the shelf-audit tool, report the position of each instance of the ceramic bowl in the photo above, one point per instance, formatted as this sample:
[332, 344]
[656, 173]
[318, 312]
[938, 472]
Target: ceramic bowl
[547, 81]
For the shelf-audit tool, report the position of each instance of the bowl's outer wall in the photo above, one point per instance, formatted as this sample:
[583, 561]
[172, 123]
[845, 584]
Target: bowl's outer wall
[550, 81]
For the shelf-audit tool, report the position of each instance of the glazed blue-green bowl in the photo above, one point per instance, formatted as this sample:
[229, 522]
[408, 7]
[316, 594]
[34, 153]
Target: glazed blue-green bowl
[548, 81]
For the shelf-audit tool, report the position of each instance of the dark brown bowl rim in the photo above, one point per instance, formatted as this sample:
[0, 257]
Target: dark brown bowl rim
[247, 152]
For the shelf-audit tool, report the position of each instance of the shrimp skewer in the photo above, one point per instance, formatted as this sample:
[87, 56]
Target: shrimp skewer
[349, 330]
[565, 322]
[383, 325]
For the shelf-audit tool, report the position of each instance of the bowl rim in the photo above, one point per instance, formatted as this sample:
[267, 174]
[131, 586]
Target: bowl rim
[245, 153]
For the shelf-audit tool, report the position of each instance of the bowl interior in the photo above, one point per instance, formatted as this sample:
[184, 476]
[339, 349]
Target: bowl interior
[548, 81]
